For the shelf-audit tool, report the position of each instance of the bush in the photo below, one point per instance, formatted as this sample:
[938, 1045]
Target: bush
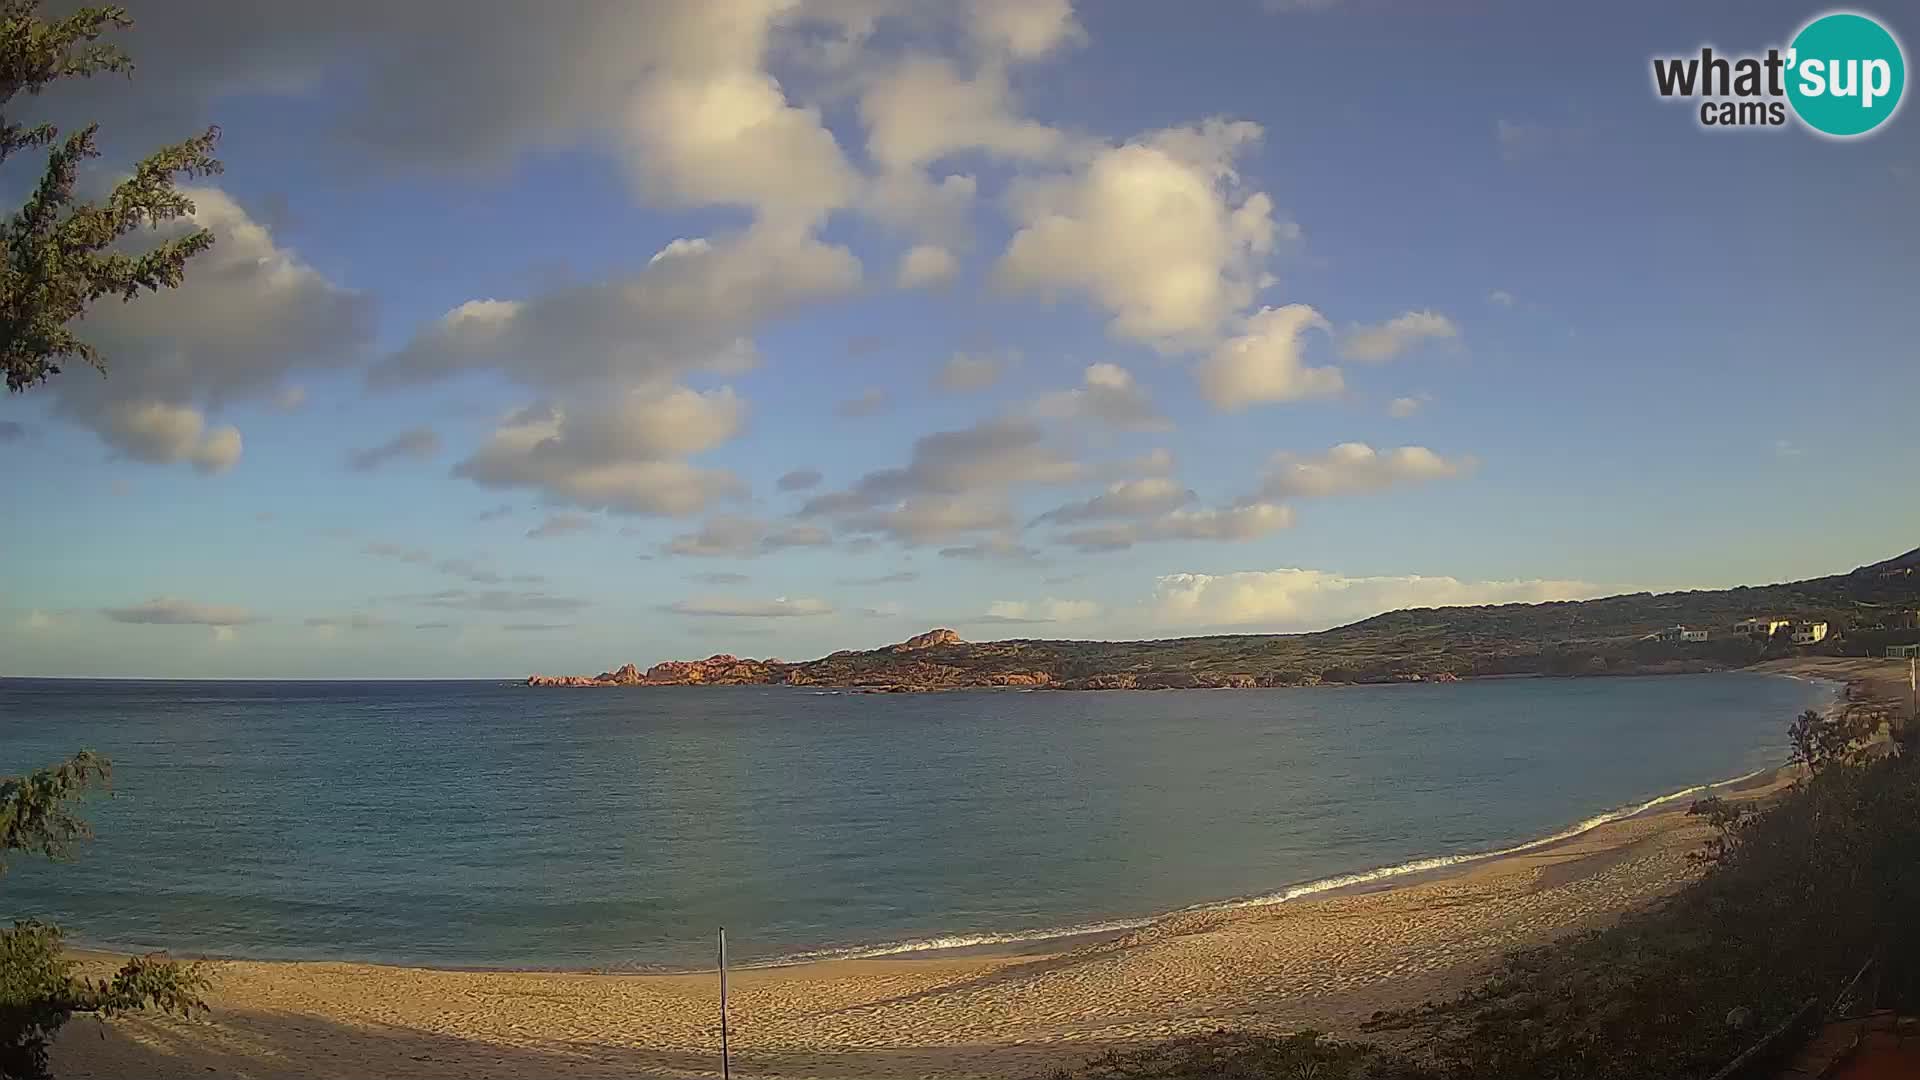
[39, 988]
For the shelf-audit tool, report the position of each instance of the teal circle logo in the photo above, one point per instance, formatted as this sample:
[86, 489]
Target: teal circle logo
[1845, 74]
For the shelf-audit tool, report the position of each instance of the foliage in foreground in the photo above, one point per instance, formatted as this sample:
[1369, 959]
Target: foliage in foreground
[40, 989]
[1798, 896]
[63, 253]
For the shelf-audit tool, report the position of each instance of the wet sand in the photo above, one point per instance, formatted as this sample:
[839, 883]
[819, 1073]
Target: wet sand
[1327, 962]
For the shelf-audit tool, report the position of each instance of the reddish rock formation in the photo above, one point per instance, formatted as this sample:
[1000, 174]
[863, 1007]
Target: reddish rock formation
[928, 640]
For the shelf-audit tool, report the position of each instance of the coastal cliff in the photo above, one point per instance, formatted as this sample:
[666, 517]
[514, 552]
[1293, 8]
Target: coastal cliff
[1615, 635]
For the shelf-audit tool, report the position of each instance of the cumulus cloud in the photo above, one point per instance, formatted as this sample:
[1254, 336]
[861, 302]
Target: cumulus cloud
[1355, 468]
[924, 109]
[992, 455]
[564, 524]
[1107, 394]
[1038, 611]
[1402, 407]
[1293, 599]
[248, 313]
[870, 402]
[1145, 497]
[622, 457]
[1155, 231]
[1024, 29]
[738, 536]
[1395, 336]
[692, 308]
[799, 480]
[1500, 298]
[778, 607]
[415, 443]
[1248, 521]
[172, 611]
[1264, 363]
[964, 373]
[926, 265]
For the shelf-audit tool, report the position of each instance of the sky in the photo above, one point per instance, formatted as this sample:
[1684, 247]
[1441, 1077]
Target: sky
[551, 337]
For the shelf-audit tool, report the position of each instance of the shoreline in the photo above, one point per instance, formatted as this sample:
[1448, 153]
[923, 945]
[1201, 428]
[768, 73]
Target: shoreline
[989, 943]
[1323, 958]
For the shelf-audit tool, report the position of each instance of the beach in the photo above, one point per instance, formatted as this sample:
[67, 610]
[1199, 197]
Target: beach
[1326, 961]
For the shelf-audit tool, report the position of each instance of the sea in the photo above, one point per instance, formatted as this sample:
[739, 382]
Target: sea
[492, 825]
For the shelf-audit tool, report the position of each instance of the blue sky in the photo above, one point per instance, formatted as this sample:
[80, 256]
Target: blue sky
[1267, 317]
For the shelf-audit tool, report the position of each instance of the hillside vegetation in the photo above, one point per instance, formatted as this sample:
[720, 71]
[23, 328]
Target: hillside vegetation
[1587, 637]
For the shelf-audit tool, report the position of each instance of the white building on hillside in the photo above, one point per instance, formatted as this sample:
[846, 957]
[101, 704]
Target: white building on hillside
[1763, 625]
[1809, 633]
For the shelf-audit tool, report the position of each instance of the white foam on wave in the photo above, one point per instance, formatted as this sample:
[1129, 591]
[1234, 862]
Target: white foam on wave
[1281, 896]
[1441, 862]
[952, 941]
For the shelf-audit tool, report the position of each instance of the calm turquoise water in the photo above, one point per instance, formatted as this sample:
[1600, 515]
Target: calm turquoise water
[484, 824]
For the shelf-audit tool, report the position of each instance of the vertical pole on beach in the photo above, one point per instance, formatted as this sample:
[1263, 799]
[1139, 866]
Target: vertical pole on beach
[726, 1070]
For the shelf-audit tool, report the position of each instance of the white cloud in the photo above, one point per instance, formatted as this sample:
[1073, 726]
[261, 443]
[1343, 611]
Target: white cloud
[1501, 297]
[928, 518]
[1154, 231]
[1264, 362]
[926, 265]
[1025, 29]
[1235, 524]
[247, 313]
[1402, 407]
[172, 611]
[690, 309]
[964, 374]
[1145, 497]
[779, 607]
[1373, 344]
[728, 135]
[923, 110]
[1294, 599]
[622, 457]
[1038, 611]
[1108, 394]
[415, 443]
[1355, 468]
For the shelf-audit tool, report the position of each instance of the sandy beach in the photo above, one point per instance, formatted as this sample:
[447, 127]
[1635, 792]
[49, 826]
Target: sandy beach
[1325, 962]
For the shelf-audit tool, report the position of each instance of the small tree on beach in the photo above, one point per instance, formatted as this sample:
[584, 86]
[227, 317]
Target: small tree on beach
[40, 989]
[62, 255]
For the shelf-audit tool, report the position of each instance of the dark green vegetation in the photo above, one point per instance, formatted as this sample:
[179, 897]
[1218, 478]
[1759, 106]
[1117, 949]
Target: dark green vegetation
[1799, 896]
[1587, 637]
[63, 254]
[39, 988]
